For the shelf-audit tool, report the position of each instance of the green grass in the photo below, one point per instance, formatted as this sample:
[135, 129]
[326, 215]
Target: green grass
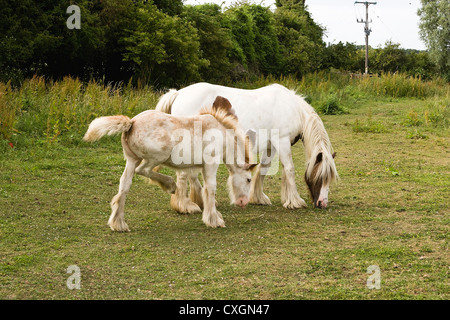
[390, 209]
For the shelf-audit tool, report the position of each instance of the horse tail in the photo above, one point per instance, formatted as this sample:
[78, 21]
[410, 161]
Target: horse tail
[166, 101]
[107, 126]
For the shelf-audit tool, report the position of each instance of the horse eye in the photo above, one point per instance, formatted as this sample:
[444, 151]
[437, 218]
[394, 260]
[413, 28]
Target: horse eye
[249, 180]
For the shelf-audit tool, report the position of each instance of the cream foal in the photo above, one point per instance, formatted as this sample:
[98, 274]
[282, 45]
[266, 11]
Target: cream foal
[154, 138]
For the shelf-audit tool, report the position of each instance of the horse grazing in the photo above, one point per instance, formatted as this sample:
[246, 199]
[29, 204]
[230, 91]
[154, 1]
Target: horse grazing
[153, 138]
[279, 118]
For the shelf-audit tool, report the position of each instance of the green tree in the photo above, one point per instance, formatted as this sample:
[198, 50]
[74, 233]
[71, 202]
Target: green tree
[341, 56]
[255, 49]
[435, 32]
[163, 49]
[299, 36]
[240, 22]
[420, 64]
[34, 38]
[267, 50]
[170, 7]
[215, 40]
[117, 18]
[388, 59]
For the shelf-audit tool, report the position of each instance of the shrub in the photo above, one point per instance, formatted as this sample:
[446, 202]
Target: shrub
[416, 134]
[331, 106]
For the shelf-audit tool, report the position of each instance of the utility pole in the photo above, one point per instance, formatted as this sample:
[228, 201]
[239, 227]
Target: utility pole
[367, 31]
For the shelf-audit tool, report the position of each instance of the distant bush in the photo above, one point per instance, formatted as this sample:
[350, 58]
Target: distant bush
[331, 106]
[416, 134]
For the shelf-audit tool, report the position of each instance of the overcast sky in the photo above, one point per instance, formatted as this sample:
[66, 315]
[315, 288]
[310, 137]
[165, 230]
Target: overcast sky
[395, 20]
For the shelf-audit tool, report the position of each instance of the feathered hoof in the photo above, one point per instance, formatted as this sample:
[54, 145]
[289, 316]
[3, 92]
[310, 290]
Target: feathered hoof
[214, 221]
[184, 205]
[118, 226]
[295, 203]
[261, 200]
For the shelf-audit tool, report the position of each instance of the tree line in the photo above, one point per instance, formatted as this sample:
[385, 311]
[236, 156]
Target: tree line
[166, 43]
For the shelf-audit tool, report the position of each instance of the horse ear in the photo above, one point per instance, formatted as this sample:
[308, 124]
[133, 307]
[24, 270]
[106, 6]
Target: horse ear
[319, 157]
[334, 155]
[248, 166]
[222, 103]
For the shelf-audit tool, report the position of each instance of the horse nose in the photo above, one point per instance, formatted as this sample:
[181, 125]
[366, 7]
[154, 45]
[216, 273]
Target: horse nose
[242, 202]
[321, 204]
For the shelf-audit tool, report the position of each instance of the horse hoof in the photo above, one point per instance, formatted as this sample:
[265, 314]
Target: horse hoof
[295, 204]
[263, 200]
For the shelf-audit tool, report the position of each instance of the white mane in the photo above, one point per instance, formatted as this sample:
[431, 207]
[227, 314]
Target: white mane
[316, 140]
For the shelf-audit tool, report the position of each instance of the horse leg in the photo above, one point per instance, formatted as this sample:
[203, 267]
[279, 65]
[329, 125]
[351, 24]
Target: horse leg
[116, 221]
[196, 188]
[179, 201]
[257, 196]
[165, 182]
[211, 217]
[289, 194]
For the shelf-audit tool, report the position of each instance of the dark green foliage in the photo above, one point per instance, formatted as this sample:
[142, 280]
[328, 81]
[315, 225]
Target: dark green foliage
[255, 48]
[170, 7]
[163, 49]
[34, 39]
[435, 32]
[331, 106]
[267, 50]
[215, 40]
[342, 56]
[300, 38]
[167, 44]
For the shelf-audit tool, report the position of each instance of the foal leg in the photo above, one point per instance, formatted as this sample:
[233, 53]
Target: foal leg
[165, 182]
[289, 194]
[179, 201]
[117, 221]
[257, 196]
[211, 217]
[196, 188]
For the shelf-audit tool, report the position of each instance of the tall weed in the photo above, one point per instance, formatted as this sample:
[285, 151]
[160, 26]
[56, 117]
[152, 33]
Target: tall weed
[60, 111]
[435, 114]
[399, 85]
[8, 111]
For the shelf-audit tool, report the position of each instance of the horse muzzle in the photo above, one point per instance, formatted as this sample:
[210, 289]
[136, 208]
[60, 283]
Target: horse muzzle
[242, 201]
[321, 203]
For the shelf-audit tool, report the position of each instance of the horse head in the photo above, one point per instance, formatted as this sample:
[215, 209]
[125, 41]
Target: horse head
[319, 179]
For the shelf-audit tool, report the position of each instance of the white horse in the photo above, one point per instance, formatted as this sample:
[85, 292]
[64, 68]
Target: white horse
[265, 111]
[152, 138]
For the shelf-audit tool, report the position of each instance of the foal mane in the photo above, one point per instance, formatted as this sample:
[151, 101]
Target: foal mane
[223, 112]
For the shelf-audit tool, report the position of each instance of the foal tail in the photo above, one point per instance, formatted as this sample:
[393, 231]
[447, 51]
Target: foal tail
[107, 126]
[166, 101]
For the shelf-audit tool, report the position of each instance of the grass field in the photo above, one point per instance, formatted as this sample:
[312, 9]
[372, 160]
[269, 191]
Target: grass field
[390, 209]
